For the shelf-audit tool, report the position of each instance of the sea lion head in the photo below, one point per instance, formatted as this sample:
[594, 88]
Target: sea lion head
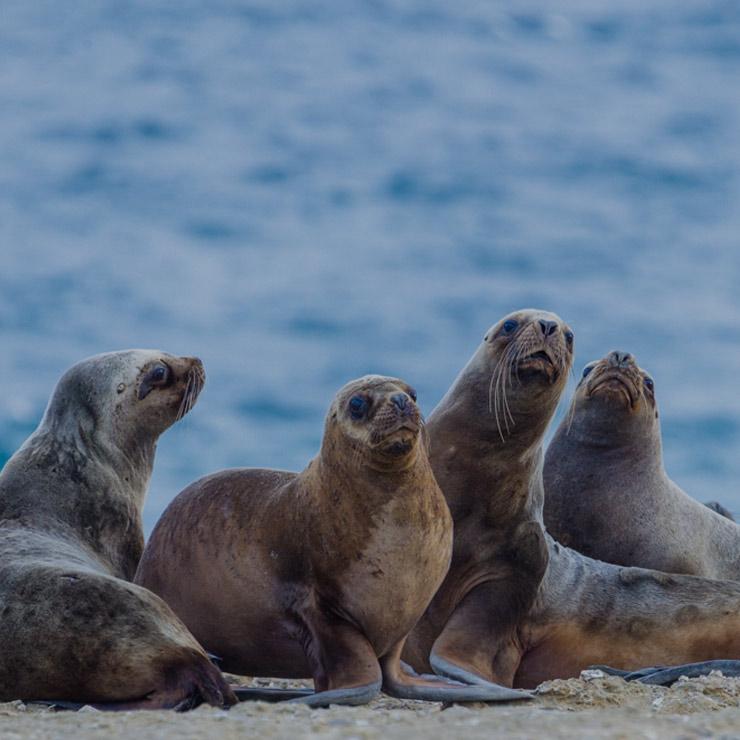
[615, 396]
[522, 367]
[377, 419]
[123, 399]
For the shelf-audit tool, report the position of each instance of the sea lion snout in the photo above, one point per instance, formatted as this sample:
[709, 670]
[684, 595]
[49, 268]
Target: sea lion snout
[620, 359]
[617, 376]
[536, 343]
[185, 367]
[547, 327]
[398, 413]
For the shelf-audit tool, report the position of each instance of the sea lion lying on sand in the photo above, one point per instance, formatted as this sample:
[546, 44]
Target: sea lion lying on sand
[72, 628]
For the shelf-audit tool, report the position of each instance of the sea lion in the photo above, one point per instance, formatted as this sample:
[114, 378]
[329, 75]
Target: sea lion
[720, 509]
[319, 574]
[517, 608]
[607, 493]
[72, 629]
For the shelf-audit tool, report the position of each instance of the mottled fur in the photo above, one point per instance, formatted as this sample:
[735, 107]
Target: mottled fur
[71, 627]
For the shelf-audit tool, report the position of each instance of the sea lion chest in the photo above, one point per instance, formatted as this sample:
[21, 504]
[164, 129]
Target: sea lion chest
[392, 564]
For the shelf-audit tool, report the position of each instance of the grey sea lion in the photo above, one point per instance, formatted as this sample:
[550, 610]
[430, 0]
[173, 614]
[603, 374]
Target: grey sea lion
[720, 509]
[607, 493]
[516, 607]
[72, 628]
[319, 574]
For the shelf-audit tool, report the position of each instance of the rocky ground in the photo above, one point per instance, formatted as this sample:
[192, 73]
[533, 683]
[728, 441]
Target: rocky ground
[593, 707]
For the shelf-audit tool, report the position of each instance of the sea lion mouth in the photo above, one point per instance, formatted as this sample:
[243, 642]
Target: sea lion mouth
[536, 363]
[614, 385]
[400, 440]
[398, 448]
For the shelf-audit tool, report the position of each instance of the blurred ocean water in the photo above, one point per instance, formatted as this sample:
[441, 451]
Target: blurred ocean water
[301, 193]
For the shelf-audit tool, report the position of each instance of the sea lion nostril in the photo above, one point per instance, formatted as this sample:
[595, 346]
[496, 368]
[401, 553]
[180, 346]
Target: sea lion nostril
[400, 400]
[548, 327]
[620, 359]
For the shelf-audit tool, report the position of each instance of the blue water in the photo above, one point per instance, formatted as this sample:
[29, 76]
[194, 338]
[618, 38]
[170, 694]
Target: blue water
[304, 192]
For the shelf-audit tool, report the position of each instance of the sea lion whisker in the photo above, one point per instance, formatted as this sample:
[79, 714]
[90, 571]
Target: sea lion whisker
[497, 388]
[183, 408]
[509, 379]
[501, 391]
[495, 385]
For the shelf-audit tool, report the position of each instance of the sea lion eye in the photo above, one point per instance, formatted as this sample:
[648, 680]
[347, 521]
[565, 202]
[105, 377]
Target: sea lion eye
[649, 384]
[412, 393]
[357, 407]
[159, 374]
[569, 338]
[158, 377]
[587, 370]
[510, 325]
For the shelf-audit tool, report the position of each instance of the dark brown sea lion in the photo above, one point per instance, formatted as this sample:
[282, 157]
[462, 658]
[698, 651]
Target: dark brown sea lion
[322, 573]
[516, 608]
[71, 627]
[607, 493]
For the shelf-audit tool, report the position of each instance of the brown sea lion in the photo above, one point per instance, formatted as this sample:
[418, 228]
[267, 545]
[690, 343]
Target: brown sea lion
[319, 574]
[607, 493]
[71, 627]
[516, 608]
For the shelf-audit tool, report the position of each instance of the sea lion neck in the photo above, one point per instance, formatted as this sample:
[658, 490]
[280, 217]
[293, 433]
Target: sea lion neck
[345, 465]
[91, 492]
[74, 432]
[480, 473]
[611, 436]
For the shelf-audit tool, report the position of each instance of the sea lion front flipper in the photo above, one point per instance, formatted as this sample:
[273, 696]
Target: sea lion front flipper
[343, 663]
[480, 641]
[402, 682]
[473, 648]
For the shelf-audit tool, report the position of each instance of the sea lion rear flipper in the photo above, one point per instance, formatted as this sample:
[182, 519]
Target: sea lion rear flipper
[665, 676]
[626, 675]
[269, 694]
[402, 682]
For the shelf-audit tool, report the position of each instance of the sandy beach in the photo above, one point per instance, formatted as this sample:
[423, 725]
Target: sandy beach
[601, 707]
